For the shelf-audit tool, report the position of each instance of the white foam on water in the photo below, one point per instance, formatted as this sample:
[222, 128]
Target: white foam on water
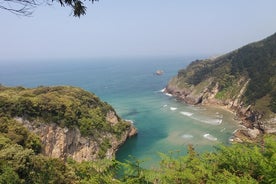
[210, 137]
[211, 121]
[207, 121]
[219, 121]
[168, 94]
[186, 113]
[162, 90]
[173, 108]
[187, 136]
[130, 121]
[165, 105]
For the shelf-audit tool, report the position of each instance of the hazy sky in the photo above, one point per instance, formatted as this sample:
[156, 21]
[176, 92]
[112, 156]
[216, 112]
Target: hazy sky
[128, 28]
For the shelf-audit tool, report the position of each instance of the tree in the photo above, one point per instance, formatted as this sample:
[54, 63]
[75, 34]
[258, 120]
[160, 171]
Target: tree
[26, 7]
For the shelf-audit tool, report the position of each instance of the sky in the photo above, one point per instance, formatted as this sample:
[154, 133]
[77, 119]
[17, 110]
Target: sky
[144, 28]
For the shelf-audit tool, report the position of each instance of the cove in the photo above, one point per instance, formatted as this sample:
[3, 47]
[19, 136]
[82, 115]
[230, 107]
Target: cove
[132, 88]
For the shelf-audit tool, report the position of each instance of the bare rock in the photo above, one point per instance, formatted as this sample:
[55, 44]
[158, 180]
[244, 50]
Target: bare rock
[253, 133]
[65, 142]
[111, 117]
[133, 131]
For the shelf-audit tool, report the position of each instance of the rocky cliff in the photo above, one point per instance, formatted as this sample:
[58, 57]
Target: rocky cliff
[58, 142]
[244, 81]
[70, 122]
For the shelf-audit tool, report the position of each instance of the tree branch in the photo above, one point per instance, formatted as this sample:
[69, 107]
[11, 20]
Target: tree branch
[27, 7]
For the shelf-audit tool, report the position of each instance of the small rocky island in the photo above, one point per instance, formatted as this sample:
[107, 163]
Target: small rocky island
[159, 72]
[70, 122]
[243, 81]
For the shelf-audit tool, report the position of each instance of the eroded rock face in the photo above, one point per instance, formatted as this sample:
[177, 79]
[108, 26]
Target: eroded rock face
[63, 142]
[112, 118]
[250, 119]
[234, 80]
[270, 126]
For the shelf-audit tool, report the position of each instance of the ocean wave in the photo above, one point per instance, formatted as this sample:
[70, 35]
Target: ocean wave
[211, 121]
[208, 121]
[173, 108]
[216, 119]
[162, 90]
[210, 137]
[187, 136]
[168, 94]
[186, 113]
[219, 115]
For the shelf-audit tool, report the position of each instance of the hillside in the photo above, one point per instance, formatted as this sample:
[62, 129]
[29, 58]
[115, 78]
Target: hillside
[22, 163]
[71, 122]
[243, 80]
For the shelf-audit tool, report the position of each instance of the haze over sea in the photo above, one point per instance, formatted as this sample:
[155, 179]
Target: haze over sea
[130, 86]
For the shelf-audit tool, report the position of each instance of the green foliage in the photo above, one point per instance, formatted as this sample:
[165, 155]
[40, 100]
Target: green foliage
[11, 131]
[63, 105]
[66, 106]
[8, 175]
[238, 163]
[101, 171]
[21, 161]
[104, 146]
[131, 172]
[272, 104]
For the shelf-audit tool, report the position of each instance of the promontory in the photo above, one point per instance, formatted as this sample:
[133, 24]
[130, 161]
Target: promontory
[243, 81]
[63, 121]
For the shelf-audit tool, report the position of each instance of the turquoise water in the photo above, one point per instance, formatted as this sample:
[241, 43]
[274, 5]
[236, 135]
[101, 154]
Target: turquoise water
[131, 87]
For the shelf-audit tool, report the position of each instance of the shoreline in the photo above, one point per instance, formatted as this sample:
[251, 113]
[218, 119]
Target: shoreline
[223, 107]
[245, 132]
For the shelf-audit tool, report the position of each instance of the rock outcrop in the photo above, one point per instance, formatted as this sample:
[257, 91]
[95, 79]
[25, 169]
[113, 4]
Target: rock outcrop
[70, 121]
[66, 142]
[252, 120]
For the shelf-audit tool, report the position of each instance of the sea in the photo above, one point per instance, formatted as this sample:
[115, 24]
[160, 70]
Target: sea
[130, 85]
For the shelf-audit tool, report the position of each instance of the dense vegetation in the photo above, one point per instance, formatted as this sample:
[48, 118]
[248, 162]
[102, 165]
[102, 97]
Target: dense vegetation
[256, 61]
[21, 162]
[63, 105]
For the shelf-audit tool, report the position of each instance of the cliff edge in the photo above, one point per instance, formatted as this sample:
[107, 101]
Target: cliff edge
[244, 81]
[71, 122]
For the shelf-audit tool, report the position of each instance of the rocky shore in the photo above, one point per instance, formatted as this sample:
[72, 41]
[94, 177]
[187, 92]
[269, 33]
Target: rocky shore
[252, 123]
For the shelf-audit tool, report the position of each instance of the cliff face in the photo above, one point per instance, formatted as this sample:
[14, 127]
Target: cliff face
[62, 143]
[243, 81]
[69, 121]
